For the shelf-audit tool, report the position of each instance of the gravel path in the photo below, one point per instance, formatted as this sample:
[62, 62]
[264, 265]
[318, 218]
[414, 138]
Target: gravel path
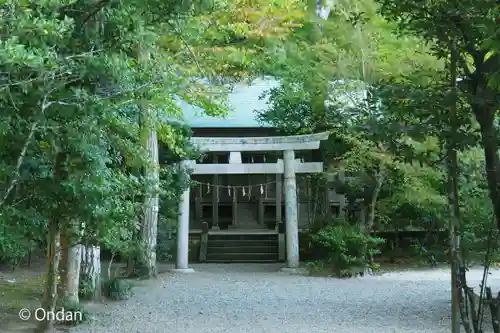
[256, 299]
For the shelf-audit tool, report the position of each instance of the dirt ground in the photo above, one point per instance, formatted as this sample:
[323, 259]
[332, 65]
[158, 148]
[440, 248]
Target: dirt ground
[23, 287]
[19, 289]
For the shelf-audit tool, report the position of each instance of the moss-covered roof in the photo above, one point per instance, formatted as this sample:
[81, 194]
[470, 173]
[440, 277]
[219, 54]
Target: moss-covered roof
[244, 101]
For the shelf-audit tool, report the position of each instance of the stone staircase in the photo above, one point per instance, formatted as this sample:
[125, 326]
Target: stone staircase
[242, 248]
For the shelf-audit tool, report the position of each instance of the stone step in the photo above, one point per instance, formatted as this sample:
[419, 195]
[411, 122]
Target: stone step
[231, 261]
[243, 249]
[243, 237]
[242, 257]
[240, 243]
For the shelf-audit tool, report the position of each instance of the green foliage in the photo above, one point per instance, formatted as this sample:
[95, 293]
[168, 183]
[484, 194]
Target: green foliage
[117, 289]
[476, 208]
[346, 245]
[368, 147]
[236, 39]
[417, 200]
[21, 231]
[165, 243]
[77, 86]
[85, 289]
[433, 20]
[467, 28]
[73, 88]
[13, 245]
[316, 267]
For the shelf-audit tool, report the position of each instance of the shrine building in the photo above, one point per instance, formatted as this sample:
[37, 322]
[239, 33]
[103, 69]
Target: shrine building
[250, 195]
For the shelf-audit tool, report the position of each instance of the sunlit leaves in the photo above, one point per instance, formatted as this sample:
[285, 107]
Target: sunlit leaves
[231, 39]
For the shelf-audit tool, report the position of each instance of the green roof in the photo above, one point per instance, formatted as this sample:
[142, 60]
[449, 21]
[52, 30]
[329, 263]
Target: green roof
[243, 103]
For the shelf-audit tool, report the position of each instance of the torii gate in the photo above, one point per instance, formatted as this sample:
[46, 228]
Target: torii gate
[289, 166]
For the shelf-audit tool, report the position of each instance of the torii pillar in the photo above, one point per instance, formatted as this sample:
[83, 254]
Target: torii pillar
[291, 219]
[182, 255]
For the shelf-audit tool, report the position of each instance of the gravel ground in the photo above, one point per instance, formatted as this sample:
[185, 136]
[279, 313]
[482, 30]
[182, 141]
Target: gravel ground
[256, 299]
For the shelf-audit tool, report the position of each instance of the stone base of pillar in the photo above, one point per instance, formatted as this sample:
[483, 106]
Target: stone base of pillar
[294, 271]
[182, 270]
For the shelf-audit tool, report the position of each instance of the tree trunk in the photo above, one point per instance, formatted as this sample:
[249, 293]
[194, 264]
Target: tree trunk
[483, 99]
[370, 218]
[53, 248]
[150, 217]
[90, 270]
[486, 121]
[53, 253]
[63, 262]
[149, 225]
[379, 182]
[453, 225]
[452, 171]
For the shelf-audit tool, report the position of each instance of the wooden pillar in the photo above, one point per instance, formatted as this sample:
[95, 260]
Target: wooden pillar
[279, 218]
[328, 209]
[235, 208]
[203, 242]
[342, 200]
[215, 196]
[261, 209]
[292, 228]
[342, 206]
[197, 205]
[279, 189]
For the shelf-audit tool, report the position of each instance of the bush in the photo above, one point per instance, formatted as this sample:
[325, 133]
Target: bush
[346, 246]
[117, 289]
[85, 289]
[165, 243]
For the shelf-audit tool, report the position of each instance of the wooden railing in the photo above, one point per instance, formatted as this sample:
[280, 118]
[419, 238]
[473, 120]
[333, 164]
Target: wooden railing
[203, 242]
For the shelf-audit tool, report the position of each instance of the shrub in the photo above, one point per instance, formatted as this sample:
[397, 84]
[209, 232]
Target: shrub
[117, 289]
[85, 289]
[315, 267]
[346, 246]
[165, 243]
